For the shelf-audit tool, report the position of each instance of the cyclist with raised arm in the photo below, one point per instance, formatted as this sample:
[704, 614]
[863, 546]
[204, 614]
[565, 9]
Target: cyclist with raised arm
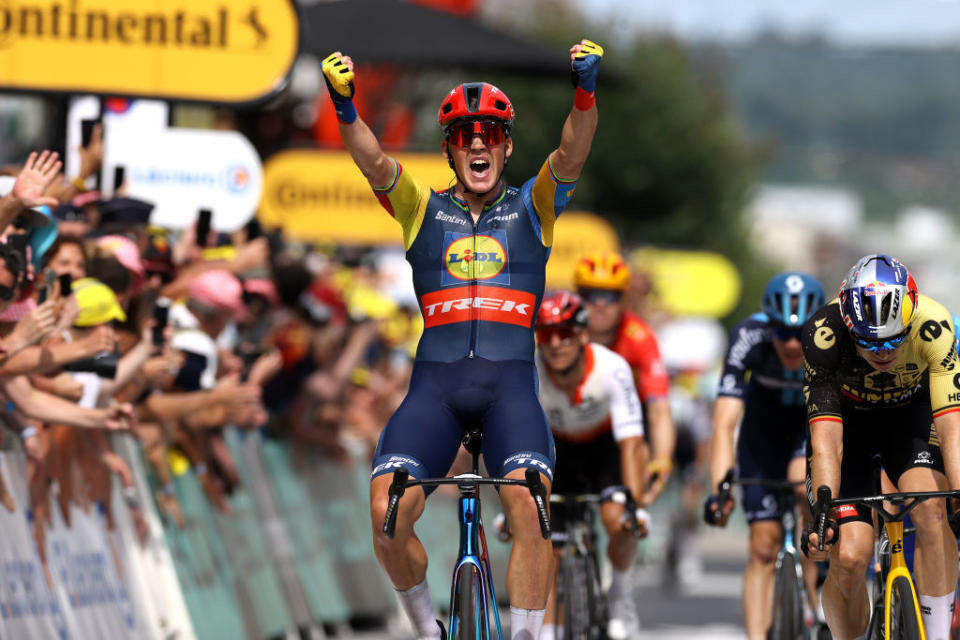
[591, 403]
[882, 377]
[478, 252]
[761, 389]
[601, 280]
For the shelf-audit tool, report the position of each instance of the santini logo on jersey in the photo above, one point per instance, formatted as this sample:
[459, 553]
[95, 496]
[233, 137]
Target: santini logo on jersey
[486, 304]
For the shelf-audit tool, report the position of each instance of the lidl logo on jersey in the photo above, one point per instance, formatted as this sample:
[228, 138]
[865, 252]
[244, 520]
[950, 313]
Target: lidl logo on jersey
[481, 257]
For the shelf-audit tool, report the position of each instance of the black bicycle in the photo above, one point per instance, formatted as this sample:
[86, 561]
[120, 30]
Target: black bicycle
[791, 609]
[472, 597]
[579, 590]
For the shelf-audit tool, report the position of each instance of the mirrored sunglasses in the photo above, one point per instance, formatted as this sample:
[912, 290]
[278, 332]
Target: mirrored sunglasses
[596, 296]
[564, 332]
[491, 133]
[785, 334]
[885, 344]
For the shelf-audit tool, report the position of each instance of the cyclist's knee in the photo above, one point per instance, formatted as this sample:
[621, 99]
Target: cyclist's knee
[849, 565]
[764, 542]
[408, 510]
[929, 517]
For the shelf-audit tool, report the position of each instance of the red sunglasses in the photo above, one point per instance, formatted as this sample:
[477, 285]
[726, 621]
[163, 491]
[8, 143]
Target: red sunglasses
[491, 133]
[564, 332]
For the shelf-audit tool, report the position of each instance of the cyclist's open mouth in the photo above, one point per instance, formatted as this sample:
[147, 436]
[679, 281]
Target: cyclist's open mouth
[479, 168]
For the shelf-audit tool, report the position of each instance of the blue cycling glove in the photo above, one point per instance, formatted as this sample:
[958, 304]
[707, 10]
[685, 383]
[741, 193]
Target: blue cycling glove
[339, 81]
[585, 66]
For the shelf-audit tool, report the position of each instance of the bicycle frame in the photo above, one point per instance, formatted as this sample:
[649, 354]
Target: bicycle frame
[898, 567]
[473, 551]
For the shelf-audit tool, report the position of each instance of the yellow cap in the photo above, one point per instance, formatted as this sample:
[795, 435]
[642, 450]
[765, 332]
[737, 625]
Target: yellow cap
[602, 271]
[98, 303]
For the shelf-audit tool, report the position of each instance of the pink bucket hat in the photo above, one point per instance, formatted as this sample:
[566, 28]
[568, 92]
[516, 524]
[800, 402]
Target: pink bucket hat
[127, 254]
[218, 289]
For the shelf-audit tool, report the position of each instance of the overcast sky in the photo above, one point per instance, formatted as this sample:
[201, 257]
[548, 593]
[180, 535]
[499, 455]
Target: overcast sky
[855, 22]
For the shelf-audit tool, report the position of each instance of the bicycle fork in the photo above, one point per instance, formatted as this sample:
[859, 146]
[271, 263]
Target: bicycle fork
[473, 554]
[898, 568]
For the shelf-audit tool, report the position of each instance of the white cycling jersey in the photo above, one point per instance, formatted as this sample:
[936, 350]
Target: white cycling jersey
[605, 399]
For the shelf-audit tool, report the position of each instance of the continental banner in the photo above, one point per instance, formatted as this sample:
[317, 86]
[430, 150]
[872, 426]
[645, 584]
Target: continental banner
[205, 50]
[321, 196]
[690, 283]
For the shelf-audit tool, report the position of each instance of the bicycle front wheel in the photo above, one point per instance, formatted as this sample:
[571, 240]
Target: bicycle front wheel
[787, 621]
[575, 601]
[903, 615]
[468, 608]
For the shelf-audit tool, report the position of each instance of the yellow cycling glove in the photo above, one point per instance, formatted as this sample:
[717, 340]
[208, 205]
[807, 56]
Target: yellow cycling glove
[339, 81]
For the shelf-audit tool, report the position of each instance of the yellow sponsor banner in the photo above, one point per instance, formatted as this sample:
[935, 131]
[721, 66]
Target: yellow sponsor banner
[321, 196]
[207, 50]
[694, 283]
[576, 234]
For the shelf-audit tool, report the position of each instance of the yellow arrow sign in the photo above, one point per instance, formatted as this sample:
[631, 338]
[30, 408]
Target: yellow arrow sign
[206, 50]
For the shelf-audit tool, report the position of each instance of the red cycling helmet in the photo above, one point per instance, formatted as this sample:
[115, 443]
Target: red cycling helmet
[476, 100]
[561, 308]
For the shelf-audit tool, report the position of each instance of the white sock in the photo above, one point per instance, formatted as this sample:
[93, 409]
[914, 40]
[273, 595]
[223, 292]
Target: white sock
[525, 623]
[621, 583]
[549, 632]
[937, 612]
[418, 605]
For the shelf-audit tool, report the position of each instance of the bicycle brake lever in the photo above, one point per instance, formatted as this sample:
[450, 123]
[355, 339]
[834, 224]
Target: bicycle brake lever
[823, 499]
[396, 491]
[539, 494]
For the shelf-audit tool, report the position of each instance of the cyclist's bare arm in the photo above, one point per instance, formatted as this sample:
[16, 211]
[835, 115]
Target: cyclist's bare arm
[948, 431]
[377, 167]
[576, 138]
[663, 437]
[826, 438]
[726, 415]
[633, 459]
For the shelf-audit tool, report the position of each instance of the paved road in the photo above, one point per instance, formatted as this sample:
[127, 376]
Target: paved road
[702, 604]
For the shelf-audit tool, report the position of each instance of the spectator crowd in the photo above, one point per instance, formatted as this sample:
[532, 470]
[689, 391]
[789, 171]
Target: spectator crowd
[110, 324]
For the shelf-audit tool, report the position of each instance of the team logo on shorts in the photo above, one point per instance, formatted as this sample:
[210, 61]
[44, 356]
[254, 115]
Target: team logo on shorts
[480, 257]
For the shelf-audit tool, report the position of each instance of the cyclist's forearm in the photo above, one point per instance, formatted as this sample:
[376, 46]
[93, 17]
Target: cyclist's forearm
[663, 436]
[375, 165]
[826, 440]
[633, 459]
[575, 141]
[726, 415]
[948, 431]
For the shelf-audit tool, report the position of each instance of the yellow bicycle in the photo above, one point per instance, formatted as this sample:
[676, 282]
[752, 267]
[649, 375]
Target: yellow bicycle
[895, 608]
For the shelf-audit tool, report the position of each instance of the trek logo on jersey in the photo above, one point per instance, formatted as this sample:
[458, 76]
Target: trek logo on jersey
[486, 304]
[481, 257]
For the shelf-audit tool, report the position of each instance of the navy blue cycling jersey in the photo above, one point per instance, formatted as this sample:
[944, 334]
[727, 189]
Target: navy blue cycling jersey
[774, 418]
[479, 284]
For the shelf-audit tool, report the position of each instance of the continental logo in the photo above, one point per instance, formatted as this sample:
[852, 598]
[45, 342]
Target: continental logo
[207, 50]
[475, 257]
[76, 21]
[484, 304]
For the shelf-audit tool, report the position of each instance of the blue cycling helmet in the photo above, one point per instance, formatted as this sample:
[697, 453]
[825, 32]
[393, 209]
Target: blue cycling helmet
[792, 297]
[878, 298]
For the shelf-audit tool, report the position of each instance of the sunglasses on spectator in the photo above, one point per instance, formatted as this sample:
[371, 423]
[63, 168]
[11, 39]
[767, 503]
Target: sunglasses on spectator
[596, 296]
[491, 133]
[881, 344]
[564, 332]
[785, 334]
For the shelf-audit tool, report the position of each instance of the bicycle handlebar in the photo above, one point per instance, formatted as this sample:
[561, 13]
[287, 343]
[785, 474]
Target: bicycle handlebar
[466, 482]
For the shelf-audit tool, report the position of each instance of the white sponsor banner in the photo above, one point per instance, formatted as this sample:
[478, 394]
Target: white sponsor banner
[183, 171]
[120, 117]
[88, 590]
